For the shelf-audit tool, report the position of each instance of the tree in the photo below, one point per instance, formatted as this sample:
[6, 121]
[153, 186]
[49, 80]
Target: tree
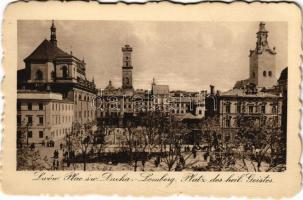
[27, 158]
[262, 142]
[22, 134]
[174, 132]
[81, 140]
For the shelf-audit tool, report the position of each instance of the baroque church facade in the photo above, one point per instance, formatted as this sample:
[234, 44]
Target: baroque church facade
[56, 81]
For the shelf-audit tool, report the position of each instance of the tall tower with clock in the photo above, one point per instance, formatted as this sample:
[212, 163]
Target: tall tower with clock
[127, 68]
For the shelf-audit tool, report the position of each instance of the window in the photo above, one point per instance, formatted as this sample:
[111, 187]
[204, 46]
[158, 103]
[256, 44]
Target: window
[64, 72]
[254, 75]
[264, 73]
[29, 134]
[29, 119]
[39, 75]
[18, 106]
[228, 108]
[274, 110]
[80, 98]
[53, 75]
[227, 122]
[19, 119]
[251, 109]
[40, 106]
[239, 107]
[40, 120]
[263, 109]
[270, 73]
[40, 134]
[53, 106]
[29, 106]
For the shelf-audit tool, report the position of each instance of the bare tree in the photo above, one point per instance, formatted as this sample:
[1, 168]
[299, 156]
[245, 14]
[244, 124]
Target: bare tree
[262, 143]
[29, 158]
[81, 140]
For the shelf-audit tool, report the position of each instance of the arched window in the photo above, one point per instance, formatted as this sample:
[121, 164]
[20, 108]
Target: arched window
[270, 73]
[264, 73]
[64, 71]
[39, 75]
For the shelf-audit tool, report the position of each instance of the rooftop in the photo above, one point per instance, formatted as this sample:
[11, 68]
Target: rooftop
[47, 51]
[244, 93]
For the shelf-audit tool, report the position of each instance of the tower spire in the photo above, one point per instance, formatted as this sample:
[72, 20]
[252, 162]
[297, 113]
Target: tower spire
[262, 35]
[53, 38]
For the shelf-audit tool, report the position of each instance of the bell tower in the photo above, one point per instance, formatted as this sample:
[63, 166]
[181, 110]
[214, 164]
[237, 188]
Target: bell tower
[262, 71]
[127, 68]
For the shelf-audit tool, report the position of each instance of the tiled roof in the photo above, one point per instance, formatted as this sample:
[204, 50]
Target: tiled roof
[46, 51]
[242, 93]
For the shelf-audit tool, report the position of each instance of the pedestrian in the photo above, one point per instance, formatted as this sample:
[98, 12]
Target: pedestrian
[57, 164]
[61, 146]
[182, 161]
[43, 143]
[178, 167]
[54, 164]
[143, 164]
[205, 156]
[194, 151]
[157, 161]
[56, 154]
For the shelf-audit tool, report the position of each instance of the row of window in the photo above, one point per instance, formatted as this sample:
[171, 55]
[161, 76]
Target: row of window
[83, 98]
[30, 120]
[60, 132]
[30, 134]
[39, 74]
[227, 122]
[251, 109]
[58, 106]
[56, 119]
[265, 73]
[86, 113]
[30, 106]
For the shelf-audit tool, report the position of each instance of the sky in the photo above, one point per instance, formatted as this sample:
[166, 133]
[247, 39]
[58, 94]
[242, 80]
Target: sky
[184, 55]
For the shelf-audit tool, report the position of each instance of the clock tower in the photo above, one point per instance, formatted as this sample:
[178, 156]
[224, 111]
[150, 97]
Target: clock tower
[127, 68]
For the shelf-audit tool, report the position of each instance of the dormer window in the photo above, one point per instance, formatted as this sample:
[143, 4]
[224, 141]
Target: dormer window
[39, 75]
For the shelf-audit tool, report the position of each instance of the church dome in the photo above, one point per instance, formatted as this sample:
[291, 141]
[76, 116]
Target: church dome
[284, 74]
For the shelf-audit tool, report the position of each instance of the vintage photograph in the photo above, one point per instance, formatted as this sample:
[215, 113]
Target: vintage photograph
[101, 95]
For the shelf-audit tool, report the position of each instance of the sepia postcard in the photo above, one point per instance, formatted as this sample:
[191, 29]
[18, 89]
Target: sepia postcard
[152, 100]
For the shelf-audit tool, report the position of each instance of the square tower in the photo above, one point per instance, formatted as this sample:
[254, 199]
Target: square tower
[127, 68]
[262, 61]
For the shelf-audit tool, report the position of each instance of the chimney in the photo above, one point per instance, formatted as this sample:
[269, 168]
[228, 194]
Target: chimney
[212, 89]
